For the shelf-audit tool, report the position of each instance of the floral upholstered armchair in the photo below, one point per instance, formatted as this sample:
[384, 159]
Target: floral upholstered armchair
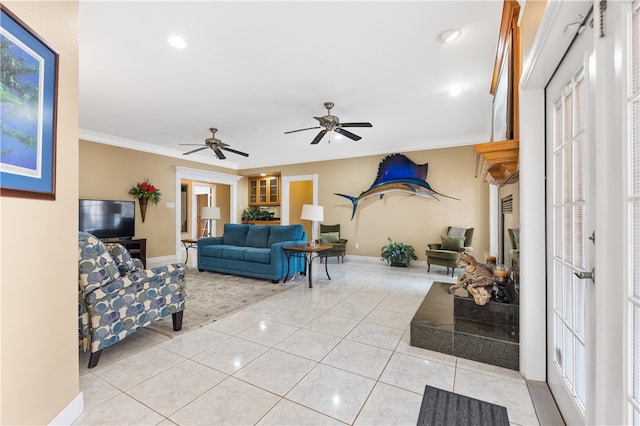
[117, 296]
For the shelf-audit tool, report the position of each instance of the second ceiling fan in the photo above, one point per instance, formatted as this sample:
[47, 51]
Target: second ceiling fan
[331, 122]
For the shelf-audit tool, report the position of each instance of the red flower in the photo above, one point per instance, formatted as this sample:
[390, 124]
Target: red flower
[151, 188]
[144, 186]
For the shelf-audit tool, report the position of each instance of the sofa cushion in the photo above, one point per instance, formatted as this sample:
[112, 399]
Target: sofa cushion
[257, 236]
[330, 237]
[452, 243]
[284, 233]
[211, 250]
[234, 234]
[233, 253]
[257, 255]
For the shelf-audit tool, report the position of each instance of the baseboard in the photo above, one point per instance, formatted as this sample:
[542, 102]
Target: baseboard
[71, 412]
[162, 260]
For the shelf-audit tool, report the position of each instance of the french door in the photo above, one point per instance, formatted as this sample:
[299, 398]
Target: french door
[570, 222]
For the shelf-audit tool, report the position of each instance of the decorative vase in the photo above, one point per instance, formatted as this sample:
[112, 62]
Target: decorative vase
[143, 207]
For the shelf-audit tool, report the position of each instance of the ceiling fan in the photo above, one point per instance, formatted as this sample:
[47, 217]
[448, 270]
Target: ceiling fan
[331, 122]
[216, 145]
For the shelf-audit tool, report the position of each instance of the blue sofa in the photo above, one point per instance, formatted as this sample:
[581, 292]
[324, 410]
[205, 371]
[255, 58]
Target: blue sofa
[253, 251]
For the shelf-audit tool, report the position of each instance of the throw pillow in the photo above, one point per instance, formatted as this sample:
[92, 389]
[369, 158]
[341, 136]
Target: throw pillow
[330, 237]
[452, 243]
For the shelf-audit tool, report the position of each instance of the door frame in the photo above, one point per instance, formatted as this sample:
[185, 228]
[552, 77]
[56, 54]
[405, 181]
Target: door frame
[608, 404]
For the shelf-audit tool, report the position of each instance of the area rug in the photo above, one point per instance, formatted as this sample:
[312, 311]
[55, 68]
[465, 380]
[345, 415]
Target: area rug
[211, 296]
[443, 408]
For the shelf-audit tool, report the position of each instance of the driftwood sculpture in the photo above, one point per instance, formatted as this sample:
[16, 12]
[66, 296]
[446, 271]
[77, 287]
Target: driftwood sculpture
[477, 279]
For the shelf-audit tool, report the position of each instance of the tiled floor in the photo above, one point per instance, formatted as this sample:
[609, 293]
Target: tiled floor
[338, 354]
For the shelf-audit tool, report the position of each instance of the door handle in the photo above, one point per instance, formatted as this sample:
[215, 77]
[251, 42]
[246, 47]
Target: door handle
[584, 275]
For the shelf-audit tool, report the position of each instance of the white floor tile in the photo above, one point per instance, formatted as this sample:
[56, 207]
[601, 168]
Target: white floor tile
[137, 368]
[231, 355]
[309, 344]
[333, 325]
[389, 405]
[275, 371]
[268, 332]
[333, 392]
[194, 342]
[176, 387]
[412, 374]
[376, 335]
[508, 393]
[232, 402]
[348, 355]
[119, 410]
[290, 413]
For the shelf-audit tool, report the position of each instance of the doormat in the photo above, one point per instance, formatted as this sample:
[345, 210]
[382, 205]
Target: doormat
[443, 408]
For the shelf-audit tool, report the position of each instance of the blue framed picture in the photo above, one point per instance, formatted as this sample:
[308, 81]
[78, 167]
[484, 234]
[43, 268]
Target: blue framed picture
[28, 97]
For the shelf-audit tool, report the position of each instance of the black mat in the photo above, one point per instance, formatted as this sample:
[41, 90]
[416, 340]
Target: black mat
[441, 407]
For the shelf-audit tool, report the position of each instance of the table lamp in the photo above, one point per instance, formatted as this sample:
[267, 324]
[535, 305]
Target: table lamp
[208, 214]
[314, 214]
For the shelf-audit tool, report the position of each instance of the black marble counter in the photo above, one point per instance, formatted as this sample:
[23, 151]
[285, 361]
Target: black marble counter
[455, 325]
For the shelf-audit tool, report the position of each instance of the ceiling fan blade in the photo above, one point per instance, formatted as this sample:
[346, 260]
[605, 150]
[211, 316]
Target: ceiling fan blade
[195, 150]
[244, 154]
[347, 134]
[219, 153]
[192, 144]
[355, 125]
[300, 130]
[318, 137]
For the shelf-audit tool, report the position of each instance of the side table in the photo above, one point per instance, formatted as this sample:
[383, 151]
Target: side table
[309, 252]
[189, 243]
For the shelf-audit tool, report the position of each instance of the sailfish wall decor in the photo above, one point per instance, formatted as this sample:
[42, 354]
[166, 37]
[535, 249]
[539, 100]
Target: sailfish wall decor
[397, 173]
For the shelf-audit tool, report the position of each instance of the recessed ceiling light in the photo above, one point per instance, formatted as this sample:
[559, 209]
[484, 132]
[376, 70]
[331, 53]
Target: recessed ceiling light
[455, 91]
[447, 36]
[177, 42]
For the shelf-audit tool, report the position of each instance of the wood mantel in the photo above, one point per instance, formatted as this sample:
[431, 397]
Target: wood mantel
[497, 162]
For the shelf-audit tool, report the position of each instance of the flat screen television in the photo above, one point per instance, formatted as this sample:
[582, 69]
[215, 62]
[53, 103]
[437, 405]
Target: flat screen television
[107, 219]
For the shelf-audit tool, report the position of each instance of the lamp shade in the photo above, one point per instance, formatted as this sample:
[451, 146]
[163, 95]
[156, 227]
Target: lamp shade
[210, 213]
[312, 212]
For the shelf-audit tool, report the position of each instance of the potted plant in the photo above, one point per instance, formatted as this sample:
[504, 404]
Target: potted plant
[398, 254]
[255, 213]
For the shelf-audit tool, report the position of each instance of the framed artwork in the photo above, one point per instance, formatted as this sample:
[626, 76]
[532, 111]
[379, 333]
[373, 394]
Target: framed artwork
[28, 98]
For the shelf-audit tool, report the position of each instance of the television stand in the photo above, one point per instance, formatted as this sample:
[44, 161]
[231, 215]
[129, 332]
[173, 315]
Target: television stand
[137, 247]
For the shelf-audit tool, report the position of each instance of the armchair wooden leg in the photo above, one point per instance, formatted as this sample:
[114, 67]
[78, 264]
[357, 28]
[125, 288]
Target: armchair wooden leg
[177, 320]
[94, 358]
[428, 267]
[452, 271]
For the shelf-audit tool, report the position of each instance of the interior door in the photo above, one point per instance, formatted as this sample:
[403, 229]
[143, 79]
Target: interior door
[570, 222]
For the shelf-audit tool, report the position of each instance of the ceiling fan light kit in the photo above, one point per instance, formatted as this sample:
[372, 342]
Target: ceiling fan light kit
[332, 123]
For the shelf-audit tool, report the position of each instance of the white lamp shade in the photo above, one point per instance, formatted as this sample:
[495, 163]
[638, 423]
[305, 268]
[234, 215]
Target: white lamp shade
[312, 212]
[210, 213]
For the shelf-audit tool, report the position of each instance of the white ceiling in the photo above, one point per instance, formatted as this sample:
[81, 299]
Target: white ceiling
[257, 69]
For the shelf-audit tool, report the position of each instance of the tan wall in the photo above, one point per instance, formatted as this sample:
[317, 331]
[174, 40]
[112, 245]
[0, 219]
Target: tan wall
[38, 253]
[223, 200]
[109, 172]
[410, 219]
[300, 192]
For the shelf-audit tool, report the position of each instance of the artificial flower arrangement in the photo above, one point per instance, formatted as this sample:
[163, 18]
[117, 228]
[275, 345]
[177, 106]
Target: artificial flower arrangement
[144, 190]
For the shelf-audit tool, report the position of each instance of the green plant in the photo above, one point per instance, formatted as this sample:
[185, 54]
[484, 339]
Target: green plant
[145, 190]
[255, 213]
[397, 253]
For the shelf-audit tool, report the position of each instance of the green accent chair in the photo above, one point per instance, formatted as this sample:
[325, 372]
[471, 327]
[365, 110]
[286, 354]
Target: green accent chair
[330, 234]
[447, 253]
